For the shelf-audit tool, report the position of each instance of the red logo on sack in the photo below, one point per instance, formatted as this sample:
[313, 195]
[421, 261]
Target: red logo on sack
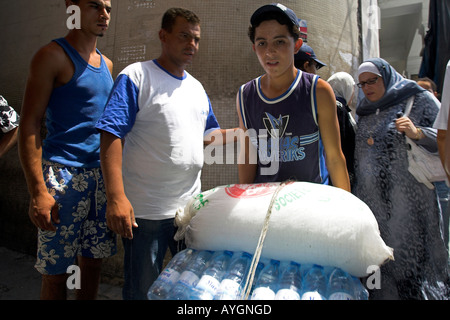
[251, 190]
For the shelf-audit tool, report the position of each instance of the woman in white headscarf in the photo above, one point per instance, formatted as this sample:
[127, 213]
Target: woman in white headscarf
[407, 212]
[343, 86]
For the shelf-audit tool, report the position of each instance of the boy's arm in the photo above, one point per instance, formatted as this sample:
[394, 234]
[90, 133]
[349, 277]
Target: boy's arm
[247, 165]
[329, 131]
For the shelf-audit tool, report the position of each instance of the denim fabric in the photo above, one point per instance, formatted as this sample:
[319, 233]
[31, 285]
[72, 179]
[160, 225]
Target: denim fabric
[144, 255]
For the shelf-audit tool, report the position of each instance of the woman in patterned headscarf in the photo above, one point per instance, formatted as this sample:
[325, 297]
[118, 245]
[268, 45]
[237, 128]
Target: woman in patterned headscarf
[407, 211]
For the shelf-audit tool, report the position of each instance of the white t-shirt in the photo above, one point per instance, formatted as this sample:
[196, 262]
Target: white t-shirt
[442, 117]
[163, 120]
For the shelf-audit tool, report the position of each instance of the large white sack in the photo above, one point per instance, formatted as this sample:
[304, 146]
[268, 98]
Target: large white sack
[309, 223]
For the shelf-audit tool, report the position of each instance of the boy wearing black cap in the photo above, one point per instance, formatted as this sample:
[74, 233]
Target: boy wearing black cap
[306, 60]
[293, 113]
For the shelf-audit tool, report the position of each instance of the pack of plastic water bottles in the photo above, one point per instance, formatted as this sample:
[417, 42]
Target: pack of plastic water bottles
[225, 275]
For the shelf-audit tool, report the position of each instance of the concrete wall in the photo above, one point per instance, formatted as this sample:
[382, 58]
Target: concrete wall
[225, 61]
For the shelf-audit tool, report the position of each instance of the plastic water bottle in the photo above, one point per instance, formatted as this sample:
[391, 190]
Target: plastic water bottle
[290, 283]
[361, 293]
[314, 284]
[190, 276]
[261, 265]
[231, 286]
[340, 286]
[161, 287]
[208, 284]
[266, 285]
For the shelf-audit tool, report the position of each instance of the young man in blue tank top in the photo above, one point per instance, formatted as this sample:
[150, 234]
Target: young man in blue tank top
[289, 115]
[68, 84]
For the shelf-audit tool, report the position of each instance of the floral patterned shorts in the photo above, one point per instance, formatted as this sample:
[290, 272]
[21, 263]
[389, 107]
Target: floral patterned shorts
[80, 194]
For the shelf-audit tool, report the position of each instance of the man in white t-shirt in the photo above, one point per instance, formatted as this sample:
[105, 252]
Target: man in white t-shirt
[163, 115]
[441, 123]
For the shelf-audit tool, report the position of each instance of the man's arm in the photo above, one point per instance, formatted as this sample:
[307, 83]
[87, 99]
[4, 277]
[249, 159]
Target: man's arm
[221, 137]
[8, 140]
[42, 76]
[444, 148]
[443, 144]
[329, 130]
[119, 211]
[444, 134]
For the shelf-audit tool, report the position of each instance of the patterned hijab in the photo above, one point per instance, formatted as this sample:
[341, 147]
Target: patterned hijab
[397, 89]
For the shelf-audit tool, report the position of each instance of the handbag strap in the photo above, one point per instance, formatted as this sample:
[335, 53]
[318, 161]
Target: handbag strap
[409, 105]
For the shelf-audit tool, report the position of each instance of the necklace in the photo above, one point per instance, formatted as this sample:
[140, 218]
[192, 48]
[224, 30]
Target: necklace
[370, 140]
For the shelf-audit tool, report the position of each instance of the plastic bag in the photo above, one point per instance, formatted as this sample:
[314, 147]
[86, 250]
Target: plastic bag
[425, 166]
[310, 223]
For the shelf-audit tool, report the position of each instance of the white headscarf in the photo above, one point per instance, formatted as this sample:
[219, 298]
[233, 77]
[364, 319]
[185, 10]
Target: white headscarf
[368, 67]
[343, 85]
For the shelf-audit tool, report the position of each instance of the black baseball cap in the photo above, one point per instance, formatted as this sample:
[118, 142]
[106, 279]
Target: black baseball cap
[307, 53]
[277, 8]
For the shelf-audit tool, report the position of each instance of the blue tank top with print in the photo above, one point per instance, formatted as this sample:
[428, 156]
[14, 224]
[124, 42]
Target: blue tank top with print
[73, 111]
[285, 129]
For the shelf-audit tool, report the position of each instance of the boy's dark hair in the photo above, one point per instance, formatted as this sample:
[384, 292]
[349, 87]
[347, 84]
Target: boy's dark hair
[299, 64]
[170, 16]
[281, 19]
